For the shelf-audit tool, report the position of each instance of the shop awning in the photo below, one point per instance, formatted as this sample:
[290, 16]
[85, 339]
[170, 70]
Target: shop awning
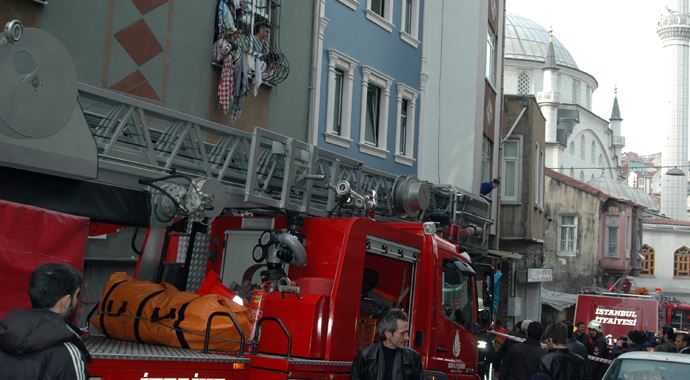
[505, 254]
[558, 300]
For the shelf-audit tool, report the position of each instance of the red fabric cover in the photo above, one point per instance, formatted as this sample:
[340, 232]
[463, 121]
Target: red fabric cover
[31, 236]
[213, 285]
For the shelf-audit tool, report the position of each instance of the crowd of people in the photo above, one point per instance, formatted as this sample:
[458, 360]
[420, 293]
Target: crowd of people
[562, 351]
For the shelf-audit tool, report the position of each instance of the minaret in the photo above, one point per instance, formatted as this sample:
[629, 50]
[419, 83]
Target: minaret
[549, 98]
[674, 30]
[615, 125]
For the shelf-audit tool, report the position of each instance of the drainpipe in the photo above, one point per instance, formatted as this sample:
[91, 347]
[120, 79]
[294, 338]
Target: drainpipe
[510, 132]
[314, 80]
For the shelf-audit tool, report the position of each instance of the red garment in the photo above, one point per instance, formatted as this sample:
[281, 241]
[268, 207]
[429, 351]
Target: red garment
[225, 86]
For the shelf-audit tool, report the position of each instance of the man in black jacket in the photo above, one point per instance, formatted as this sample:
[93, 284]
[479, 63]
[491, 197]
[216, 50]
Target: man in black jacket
[389, 359]
[522, 359]
[559, 363]
[39, 343]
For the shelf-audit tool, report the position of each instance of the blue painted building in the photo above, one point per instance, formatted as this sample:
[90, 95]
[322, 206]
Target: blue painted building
[369, 55]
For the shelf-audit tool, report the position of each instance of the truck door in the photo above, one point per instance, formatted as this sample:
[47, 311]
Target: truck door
[453, 347]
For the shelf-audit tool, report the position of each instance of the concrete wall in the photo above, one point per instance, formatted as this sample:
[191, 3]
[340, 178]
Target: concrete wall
[570, 273]
[453, 101]
[665, 239]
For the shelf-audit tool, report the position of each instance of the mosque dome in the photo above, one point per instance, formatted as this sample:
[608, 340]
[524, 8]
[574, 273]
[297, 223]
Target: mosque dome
[527, 40]
[622, 191]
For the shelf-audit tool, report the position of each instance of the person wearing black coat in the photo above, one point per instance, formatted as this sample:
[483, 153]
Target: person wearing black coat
[559, 363]
[389, 359]
[38, 343]
[522, 359]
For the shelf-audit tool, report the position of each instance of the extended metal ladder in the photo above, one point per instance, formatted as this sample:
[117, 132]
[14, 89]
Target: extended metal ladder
[263, 169]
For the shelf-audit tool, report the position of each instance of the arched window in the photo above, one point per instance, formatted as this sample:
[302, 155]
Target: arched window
[681, 262]
[572, 172]
[576, 91]
[601, 160]
[582, 147]
[572, 147]
[582, 175]
[593, 152]
[649, 260]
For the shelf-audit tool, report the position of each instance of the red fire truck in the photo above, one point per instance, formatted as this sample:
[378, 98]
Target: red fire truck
[630, 308]
[334, 243]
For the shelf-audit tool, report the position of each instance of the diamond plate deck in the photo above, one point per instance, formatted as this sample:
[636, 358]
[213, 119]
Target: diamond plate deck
[104, 348]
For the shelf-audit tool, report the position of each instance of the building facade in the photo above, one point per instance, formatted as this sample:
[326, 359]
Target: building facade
[521, 215]
[462, 92]
[367, 102]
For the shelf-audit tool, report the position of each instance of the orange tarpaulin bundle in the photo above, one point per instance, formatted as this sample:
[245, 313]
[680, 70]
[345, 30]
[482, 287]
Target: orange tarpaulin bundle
[146, 312]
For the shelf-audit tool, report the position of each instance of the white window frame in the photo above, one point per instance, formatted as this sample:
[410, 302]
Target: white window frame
[338, 60]
[561, 226]
[352, 4]
[379, 79]
[385, 22]
[539, 177]
[411, 38]
[518, 170]
[491, 58]
[407, 93]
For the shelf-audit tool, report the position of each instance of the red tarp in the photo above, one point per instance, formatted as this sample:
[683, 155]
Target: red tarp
[31, 236]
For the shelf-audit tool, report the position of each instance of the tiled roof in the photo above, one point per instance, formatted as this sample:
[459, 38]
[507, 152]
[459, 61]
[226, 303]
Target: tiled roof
[670, 222]
[560, 177]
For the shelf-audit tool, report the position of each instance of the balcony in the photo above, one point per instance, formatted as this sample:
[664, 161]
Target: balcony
[619, 141]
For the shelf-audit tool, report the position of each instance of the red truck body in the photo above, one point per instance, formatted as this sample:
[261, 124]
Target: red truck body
[619, 314]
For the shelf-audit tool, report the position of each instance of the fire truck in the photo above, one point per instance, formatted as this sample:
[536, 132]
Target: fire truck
[334, 243]
[624, 307]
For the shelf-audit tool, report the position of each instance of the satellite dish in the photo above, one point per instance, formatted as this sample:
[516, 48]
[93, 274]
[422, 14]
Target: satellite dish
[39, 86]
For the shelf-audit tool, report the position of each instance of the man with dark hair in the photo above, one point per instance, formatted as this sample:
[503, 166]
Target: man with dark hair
[39, 343]
[683, 343]
[559, 363]
[581, 333]
[390, 358]
[574, 345]
[522, 359]
[668, 334]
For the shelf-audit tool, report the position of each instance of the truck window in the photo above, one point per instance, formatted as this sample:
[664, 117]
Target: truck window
[680, 319]
[457, 293]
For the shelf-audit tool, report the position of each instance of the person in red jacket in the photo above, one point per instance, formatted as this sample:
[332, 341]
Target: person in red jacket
[39, 343]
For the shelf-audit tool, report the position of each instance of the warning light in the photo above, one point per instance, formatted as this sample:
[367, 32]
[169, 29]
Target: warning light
[658, 290]
[238, 366]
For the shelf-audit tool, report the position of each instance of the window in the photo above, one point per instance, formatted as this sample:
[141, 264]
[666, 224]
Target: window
[601, 160]
[491, 56]
[409, 30]
[572, 147]
[593, 152]
[374, 115]
[588, 99]
[582, 147]
[510, 186]
[680, 319]
[405, 129]
[572, 172]
[567, 235]
[582, 176]
[380, 12]
[612, 236]
[341, 74]
[523, 83]
[681, 263]
[648, 261]
[458, 294]
[539, 177]
[575, 91]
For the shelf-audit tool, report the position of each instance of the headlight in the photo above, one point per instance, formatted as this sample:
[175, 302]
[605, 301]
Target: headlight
[482, 344]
